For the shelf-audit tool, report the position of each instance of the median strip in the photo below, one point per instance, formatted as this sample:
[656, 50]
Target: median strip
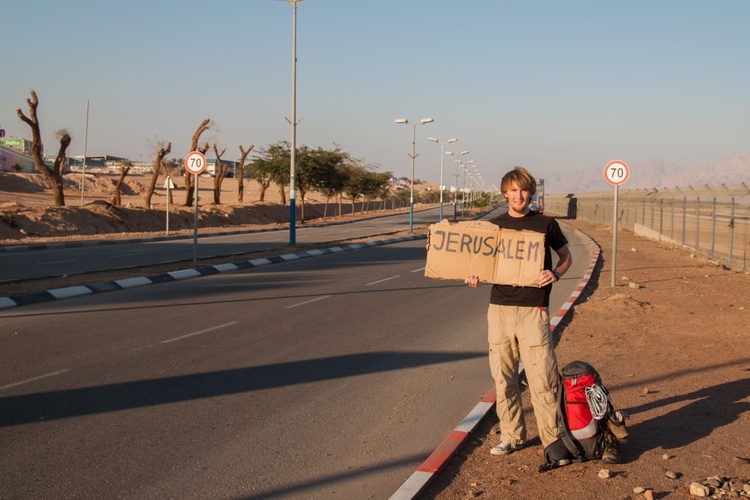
[78, 290]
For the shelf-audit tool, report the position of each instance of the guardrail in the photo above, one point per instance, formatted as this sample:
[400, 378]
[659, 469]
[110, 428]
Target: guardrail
[712, 221]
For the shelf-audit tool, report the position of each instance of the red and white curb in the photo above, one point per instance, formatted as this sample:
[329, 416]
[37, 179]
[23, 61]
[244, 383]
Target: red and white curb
[443, 453]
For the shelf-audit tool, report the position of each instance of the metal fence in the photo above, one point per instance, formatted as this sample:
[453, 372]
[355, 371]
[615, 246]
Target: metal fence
[710, 221]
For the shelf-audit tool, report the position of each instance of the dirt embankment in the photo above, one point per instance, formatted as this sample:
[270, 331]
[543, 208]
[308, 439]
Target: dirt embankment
[26, 216]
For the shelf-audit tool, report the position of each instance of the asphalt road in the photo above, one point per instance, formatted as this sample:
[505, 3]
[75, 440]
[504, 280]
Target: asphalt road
[333, 376]
[59, 260]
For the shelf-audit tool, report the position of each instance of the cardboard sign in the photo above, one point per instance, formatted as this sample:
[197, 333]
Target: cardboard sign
[480, 248]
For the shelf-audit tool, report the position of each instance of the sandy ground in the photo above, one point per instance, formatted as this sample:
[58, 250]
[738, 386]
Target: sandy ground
[27, 217]
[670, 340]
[672, 343]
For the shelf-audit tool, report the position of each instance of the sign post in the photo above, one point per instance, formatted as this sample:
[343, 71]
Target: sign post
[616, 172]
[195, 163]
[168, 185]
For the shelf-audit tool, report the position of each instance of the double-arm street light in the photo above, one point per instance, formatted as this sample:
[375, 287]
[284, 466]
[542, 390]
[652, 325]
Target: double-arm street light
[455, 192]
[442, 155]
[413, 155]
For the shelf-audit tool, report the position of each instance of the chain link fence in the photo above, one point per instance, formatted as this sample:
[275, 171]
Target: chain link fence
[710, 221]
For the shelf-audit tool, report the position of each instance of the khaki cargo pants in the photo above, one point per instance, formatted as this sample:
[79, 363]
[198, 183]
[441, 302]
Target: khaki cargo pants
[523, 334]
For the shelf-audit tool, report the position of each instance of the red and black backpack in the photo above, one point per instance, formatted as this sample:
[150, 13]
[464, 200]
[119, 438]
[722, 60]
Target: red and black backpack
[582, 410]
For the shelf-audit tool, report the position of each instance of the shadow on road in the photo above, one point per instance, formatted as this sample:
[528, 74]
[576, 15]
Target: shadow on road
[30, 408]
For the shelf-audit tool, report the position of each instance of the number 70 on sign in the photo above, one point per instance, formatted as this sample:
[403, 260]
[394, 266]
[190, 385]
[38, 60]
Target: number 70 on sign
[616, 172]
[195, 162]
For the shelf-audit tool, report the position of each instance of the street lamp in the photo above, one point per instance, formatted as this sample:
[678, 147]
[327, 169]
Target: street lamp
[474, 178]
[455, 193]
[293, 122]
[413, 155]
[442, 155]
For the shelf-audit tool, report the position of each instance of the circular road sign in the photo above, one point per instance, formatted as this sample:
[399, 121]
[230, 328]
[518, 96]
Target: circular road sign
[616, 172]
[195, 162]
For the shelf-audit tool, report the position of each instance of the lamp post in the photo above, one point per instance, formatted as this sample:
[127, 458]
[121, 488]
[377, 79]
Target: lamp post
[293, 122]
[442, 155]
[467, 185]
[413, 155]
[85, 141]
[474, 177]
[455, 193]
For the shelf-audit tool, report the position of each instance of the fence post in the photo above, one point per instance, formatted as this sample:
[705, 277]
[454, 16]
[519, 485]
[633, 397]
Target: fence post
[713, 229]
[661, 217]
[684, 218]
[698, 224]
[731, 235]
[671, 227]
[652, 214]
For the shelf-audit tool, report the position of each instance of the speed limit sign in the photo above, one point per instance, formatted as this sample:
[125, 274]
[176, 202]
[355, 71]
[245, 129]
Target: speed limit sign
[195, 162]
[616, 172]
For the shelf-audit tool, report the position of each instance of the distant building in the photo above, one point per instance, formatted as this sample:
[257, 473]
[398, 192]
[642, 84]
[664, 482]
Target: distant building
[23, 146]
[94, 161]
[14, 154]
[231, 167]
[13, 161]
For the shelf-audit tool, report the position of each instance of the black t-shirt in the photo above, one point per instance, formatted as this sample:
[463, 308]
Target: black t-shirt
[554, 239]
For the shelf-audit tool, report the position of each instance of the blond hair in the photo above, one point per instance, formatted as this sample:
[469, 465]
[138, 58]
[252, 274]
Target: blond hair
[521, 177]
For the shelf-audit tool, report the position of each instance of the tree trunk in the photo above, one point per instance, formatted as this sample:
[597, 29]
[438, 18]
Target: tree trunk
[221, 171]
[155, 173]
[241, 177]
[262, 192]
[194, 147]
[116, 200]
[54, 175]
[282, 194]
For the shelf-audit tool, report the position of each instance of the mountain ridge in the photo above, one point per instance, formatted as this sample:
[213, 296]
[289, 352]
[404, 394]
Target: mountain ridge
[654, 173]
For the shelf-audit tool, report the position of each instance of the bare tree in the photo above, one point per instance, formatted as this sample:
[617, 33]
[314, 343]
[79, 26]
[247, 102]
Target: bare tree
[124, 169]
[241, 175]
[205, 125]
[172, 168]
[221, 171]
[55, 174]
[155, 168]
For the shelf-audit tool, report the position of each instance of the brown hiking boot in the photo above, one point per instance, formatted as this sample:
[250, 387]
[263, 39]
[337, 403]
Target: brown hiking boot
[611, 453]
[616, 425]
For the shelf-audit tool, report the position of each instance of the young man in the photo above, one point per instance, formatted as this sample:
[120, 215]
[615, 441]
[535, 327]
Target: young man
[518, 323]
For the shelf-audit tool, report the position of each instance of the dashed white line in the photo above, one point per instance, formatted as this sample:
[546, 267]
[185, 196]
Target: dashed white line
[52, 263]
[384, 279]
[33, 379]
[198, 333]
[418, 270]
[308, 301]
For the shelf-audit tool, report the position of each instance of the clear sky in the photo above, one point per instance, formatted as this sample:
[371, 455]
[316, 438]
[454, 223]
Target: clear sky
[554, 86]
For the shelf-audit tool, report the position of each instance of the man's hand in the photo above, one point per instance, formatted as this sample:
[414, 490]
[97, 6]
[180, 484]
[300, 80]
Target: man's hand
[472, 281]
[546, 277]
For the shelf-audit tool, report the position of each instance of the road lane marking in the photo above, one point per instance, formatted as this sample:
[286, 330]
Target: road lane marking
[33, 379]
[121, 255]
[213, 328]
[384, 279]
[54, 262]
[417, 270]
[308, 301]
